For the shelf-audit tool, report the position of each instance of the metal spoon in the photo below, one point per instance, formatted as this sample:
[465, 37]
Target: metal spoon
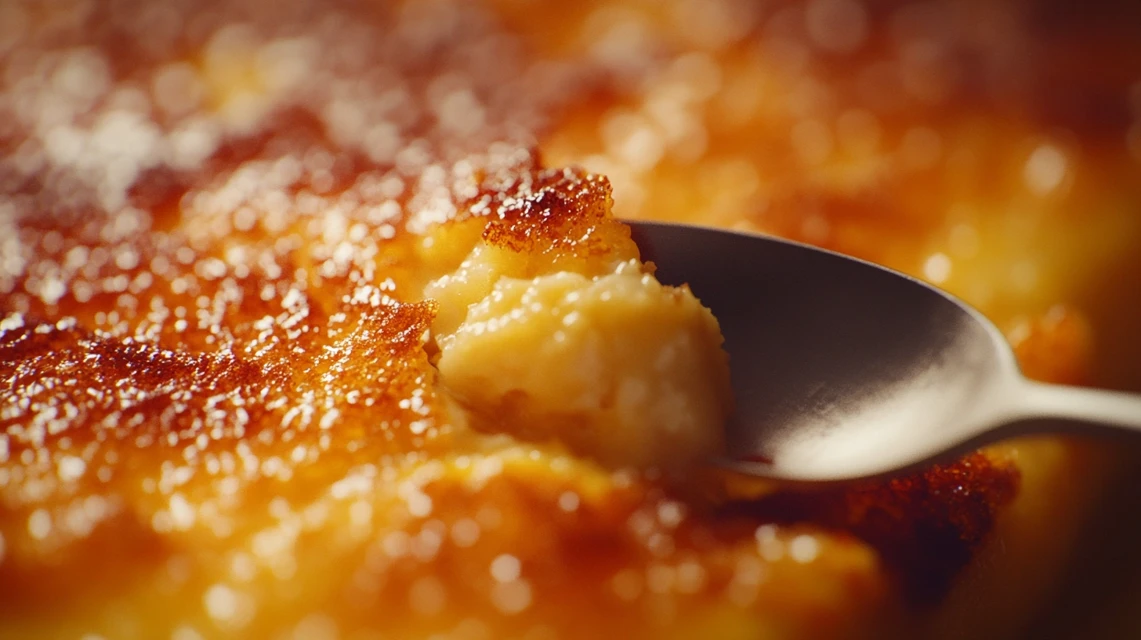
[843, 369]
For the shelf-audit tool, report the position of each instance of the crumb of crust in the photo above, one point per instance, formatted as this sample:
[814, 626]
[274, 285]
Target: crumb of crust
[557, 210]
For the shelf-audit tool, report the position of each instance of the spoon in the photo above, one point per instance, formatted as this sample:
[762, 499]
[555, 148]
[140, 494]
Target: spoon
[844, 370]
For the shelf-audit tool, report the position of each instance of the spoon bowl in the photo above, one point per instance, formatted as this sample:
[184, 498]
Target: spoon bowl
[843, 369]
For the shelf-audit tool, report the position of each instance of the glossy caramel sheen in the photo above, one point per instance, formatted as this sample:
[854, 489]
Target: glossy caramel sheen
[219, 414]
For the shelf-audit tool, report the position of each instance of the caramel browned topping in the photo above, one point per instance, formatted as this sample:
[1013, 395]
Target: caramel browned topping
[218, 415]
[925, 526]
[563, 211]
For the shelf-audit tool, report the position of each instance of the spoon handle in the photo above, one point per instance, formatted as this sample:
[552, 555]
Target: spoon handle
[1078, 407]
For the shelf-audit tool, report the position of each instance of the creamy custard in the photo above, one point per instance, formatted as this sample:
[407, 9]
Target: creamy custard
[591, 352]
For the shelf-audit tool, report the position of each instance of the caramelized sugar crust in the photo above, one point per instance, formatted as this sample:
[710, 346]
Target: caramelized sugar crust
[210, 456]
[562, 212]
[924, 526]
[219, 416]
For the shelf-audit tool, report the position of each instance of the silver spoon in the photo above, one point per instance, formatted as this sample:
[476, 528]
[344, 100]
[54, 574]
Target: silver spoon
[845, 370]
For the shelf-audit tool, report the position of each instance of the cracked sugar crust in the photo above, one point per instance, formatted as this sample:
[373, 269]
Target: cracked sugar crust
[218, 408]
[253, 430]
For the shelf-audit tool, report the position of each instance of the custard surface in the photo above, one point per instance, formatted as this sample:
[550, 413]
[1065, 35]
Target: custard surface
[221, 229]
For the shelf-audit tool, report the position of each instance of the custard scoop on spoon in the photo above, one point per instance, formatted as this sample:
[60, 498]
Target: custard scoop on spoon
[844, 370]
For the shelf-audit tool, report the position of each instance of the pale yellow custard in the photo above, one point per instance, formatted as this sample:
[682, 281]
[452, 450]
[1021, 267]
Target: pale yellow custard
[597, 355]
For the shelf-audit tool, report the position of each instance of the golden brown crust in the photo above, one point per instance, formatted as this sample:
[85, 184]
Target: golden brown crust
[218, 411]
[925, 526]
[564, 211]
[160, 415]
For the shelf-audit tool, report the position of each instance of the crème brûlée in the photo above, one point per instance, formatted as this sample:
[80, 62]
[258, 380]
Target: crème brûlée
[305, 331]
